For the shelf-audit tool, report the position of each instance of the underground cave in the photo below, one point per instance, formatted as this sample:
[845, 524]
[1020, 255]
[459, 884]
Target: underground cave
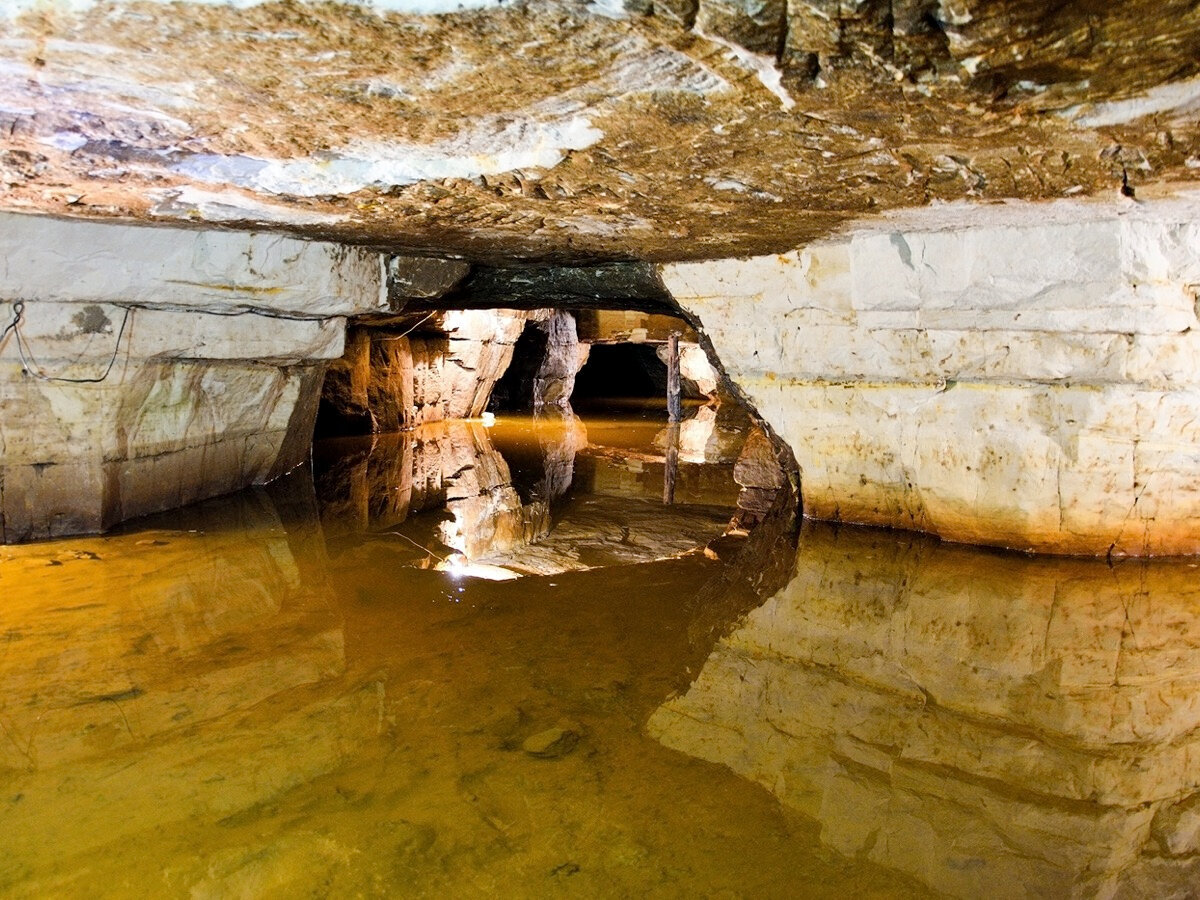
[602, 447]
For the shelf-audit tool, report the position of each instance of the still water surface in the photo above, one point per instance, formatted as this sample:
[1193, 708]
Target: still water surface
[297, 692]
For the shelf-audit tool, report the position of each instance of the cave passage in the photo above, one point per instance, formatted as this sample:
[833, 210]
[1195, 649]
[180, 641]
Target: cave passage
[403, 371]
[617, 373]
[514, 391]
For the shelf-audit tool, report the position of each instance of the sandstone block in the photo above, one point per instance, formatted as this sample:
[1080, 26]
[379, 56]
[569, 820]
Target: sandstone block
[814, 33]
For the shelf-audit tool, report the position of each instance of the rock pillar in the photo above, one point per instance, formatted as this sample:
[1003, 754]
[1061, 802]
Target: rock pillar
[441, 367]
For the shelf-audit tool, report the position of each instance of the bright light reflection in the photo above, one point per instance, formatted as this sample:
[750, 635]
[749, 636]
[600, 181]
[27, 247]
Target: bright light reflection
[459, 566]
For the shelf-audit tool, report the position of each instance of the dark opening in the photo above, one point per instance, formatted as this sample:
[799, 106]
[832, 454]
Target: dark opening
[339, 421]
[514, 391]
[620, 372]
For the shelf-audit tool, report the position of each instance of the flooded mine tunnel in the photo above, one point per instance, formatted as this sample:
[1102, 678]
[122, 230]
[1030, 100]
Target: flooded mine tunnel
[608, 449]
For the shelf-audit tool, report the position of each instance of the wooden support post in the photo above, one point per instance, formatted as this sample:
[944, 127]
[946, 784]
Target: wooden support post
[674, 406]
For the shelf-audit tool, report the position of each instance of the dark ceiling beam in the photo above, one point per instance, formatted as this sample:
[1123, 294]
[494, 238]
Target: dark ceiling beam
[621, 285]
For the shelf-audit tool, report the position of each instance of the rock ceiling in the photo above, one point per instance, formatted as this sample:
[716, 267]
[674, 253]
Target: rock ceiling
[565, 131]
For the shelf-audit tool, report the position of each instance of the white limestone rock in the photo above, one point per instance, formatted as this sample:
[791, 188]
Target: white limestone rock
[1025, 381]
[79, 340]
[145, 368]
[154, 435]
[183, 268]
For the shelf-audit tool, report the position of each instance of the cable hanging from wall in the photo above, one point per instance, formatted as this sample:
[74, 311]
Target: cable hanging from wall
[29, 364]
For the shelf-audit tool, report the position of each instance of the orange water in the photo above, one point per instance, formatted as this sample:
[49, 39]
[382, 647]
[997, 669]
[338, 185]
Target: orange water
[277, 694]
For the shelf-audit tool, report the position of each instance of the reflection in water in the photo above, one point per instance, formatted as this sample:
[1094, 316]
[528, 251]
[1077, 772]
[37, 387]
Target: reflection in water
[131, 669]
[527, 496]
[991, 724]
[279, 693]
[223, 701]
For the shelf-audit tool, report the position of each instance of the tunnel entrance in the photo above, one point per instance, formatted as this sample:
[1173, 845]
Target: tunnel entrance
[514, 391]
[621, 375]
[409, 370]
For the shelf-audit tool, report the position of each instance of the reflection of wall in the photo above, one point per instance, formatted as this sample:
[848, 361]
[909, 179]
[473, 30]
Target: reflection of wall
[144, 615]
[526, 523]
[136, 672]
[993, 725]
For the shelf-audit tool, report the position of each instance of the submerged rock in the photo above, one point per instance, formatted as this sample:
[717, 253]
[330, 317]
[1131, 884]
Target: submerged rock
[555, 742]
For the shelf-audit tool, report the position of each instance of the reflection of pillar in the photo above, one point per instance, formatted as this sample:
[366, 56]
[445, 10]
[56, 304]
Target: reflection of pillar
[674, 408]
[671, 469]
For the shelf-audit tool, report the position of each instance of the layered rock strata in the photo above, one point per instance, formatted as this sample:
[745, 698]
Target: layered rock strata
[145, 368]
[1021, 376]
[558, 132]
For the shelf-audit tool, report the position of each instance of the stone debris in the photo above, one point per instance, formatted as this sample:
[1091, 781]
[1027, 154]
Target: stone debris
[554, 743]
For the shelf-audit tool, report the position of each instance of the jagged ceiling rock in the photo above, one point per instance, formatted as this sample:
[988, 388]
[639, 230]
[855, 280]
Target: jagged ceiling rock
[568, 131]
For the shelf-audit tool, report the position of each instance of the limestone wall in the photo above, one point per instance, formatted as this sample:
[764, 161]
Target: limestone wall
[1024, 378]
[443, 366]
[145, 368]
